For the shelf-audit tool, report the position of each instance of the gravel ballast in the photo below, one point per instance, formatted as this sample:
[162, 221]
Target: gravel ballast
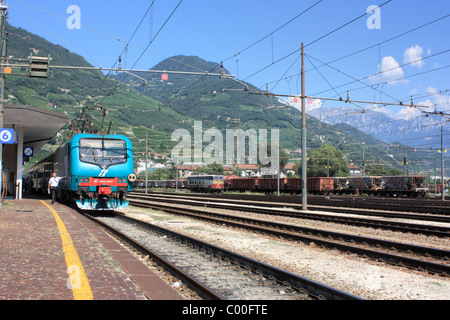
[359, 276]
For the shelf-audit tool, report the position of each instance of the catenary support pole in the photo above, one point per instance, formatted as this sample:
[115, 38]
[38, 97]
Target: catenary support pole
[442, 163]
[304, 178]
[146, 162]
[3, 35]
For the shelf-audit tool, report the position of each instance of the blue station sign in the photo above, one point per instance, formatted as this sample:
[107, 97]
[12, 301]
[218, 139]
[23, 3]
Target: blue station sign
[8, 136]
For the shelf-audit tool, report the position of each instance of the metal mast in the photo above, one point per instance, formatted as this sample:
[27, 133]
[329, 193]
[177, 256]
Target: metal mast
[3, 38]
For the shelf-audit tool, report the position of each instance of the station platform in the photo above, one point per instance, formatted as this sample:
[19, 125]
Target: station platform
[52, 252]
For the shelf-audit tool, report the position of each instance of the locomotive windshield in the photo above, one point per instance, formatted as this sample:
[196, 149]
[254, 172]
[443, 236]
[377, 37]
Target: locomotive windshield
[103, 152]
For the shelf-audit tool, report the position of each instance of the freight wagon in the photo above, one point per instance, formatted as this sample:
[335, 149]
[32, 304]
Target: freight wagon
[404, 185]
[340, 185]
[271, 184]
[293, 185]
[320, 185]
[369, 185]
[243, 184]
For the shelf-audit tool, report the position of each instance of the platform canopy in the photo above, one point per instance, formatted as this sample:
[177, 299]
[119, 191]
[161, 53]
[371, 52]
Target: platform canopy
[39, 125]
[34, 128]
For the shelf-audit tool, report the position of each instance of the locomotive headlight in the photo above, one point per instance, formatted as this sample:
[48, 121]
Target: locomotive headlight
[131, 177]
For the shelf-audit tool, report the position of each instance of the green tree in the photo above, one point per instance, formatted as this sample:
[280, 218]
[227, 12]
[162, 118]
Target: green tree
[320, 157]
[161, 174]
[237, 171]
[379, 170]
[212, 168]
[375, 170]
[395, 172]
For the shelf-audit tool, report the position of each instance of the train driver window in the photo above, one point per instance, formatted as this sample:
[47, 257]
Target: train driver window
[115, 149]
[90, 148]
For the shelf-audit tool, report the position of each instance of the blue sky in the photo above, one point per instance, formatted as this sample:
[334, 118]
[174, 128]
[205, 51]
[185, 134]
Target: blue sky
[218, 30]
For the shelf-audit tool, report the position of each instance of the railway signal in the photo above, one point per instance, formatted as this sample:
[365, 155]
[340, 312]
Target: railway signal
[39, 66]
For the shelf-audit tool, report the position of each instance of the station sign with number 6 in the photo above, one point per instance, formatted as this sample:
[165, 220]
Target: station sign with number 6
[7, 136]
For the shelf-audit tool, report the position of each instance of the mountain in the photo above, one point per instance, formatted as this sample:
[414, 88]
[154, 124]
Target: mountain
[162, 106]
[416, 132]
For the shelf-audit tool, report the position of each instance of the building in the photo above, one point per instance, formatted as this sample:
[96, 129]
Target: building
[34, 127]
[354, 170]
[151, 166]
[289, 168]
[249, 170]
[185, 170]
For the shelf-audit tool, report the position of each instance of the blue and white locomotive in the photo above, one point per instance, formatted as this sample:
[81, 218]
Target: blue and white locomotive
[97, 171]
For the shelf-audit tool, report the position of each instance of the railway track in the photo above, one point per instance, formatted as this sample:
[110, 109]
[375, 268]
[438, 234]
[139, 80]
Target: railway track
[283, 210]
[420, 205]
[401, 254]
[213, 272]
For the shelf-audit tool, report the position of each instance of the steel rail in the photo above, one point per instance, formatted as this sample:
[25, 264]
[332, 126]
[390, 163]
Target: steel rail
[197, 286]
[312, 288]
[259, 208]
[389, 204]
[319, 237]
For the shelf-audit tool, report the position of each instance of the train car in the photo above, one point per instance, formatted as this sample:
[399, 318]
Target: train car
[208, 183]
[97, 171]
[39, 176]
[405, 185]
[169, 184]
[340, 185]
[370, 185]
[243, 184]
[293, 185]
[139, 183]
[320, 185]
[178, 184]
[227, 182]
[269, 185]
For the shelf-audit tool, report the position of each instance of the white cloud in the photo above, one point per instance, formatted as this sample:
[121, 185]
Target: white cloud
[381, 109]
[313, 104]
[413, 55]
[388, 71]
[409, 113]
[441, 101]
[437, 100]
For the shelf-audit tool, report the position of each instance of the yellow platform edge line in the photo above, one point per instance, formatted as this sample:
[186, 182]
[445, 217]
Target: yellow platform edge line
[77, 280]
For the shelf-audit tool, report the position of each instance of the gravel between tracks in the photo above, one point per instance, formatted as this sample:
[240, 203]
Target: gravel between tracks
[348, 272]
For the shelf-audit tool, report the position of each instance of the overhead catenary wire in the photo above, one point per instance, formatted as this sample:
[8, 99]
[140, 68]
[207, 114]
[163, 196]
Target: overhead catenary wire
[144, 51]
[370, 47]
[314, 41]
[346, 74]
[130, 43]
[323, 77]
[273, 32]
[125, 49]
[53, 34]
[296, 51]
[391, 69]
